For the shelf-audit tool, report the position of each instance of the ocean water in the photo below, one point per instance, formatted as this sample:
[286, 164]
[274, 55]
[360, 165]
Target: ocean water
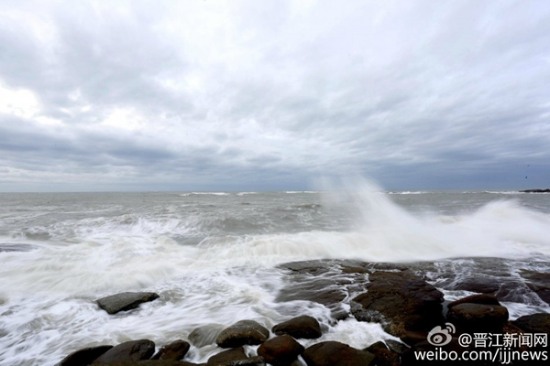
[214, 258]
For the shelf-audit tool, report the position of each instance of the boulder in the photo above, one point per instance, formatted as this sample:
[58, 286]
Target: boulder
[333, 353]
[205, 334]
[84, 356]
[130, 351]
[534, 323]
[241, 333]
[303, 326]
[400, 301]
[173, 351]
[478, 317]
[539, 282]
[281, 350]
[234, 357]
[125, 301]
[384, 356]
[484, 299]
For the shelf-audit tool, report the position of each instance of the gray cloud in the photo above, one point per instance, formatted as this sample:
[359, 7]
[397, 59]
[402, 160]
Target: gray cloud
[272, 95]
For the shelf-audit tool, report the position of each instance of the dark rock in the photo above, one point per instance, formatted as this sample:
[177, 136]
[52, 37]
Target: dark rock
[159, 363]
[125, 301]
[478, 317]
[336, 354]
[401, 301]
[539, 282]
[128, 351]
[241, 333]
[84, 356]
[535, 323]
[205, 334]
[483, 299]
[383, 355]
[303, 326]
[281, 350]
[234, 357]
[480, 285]
[173, 351]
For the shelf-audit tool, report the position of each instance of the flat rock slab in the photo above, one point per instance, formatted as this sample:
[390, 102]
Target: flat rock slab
[125, 301]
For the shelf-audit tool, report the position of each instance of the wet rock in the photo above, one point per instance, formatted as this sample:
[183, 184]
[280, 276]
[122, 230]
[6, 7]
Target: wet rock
[130, 351]
[333, 353]
[484, 299]
[535, 323]
[478, 317]
[84, 356]
[539, 282]
[159, 363]
[401, 301]
[384, 356]
[205, 334]
[479, 285]
[281, 350]
[241, 333]
[303, 326]
[125, 301]
[234, 357]
[173, 351]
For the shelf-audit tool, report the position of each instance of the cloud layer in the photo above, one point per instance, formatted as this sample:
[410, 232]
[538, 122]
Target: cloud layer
[241, 95]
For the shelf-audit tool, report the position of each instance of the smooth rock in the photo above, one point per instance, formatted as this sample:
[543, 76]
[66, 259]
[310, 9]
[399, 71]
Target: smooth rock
[173, 351]
[280, 350]
[478, 317]
[234, 357]
[125, 301]
[84, 356]
[128, 351]
[304, 326]
[333, 353]
[242, 332]
[534, 323]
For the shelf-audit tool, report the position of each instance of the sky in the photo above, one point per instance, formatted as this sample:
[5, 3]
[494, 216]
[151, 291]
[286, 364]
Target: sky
[273, 95]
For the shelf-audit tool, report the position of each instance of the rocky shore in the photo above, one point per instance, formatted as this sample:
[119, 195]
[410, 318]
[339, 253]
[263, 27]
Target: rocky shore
[407, 300]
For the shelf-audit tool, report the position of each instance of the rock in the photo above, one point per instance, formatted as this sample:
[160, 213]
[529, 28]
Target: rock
[480, 285]
[401, 301]
[281, 350]
[333, 353]
[478, 317]
[205, 334]
[125, 301]
[159, 363]
[241, 333]
[173, 351]
[539, 282]
[535, 323]
[484, 299]
[234, 357]
[303, 326]
[84, 356]
[383, 355]
[128, 351]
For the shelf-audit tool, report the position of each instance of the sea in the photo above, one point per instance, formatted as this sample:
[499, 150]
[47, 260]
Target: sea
[218, 257]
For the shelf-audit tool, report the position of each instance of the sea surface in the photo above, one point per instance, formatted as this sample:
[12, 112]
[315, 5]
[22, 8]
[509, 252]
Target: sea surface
[214, 257]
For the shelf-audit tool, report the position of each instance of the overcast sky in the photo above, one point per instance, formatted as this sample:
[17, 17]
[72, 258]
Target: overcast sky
[273, 95]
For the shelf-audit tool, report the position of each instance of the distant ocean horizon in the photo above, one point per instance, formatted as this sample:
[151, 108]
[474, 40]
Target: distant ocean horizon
[214, 257]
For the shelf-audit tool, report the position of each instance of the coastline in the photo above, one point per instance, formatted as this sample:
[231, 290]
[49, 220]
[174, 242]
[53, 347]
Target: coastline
[408, 300]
